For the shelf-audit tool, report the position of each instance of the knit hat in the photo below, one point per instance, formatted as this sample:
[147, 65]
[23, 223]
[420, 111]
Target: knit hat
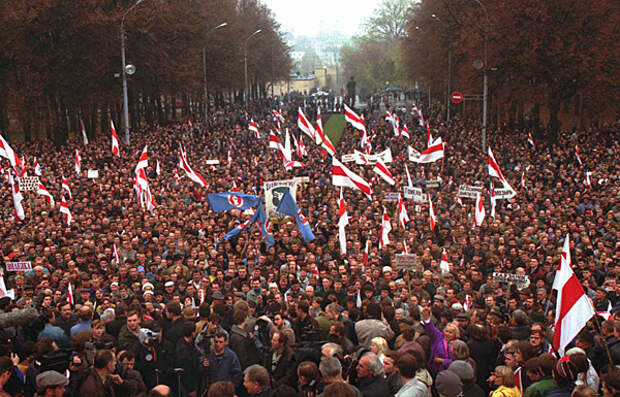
[463, 369]
[448, 384]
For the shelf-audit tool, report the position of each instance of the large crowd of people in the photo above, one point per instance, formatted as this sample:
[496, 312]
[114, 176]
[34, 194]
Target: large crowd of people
[185, 312]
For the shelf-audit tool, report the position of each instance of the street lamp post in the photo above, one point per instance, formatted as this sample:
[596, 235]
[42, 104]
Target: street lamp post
[124, 71]
[204, 68]
[484, 78]
[245, 62]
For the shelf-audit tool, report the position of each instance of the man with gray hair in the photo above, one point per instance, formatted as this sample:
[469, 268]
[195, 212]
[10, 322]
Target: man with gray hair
[331, 349]
[331, 371]
[370, 379]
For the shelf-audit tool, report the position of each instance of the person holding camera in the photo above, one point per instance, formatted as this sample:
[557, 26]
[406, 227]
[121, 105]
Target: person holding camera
[187, 357]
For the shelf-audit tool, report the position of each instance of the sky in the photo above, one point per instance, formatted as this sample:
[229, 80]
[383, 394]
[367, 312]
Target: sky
[309, 17]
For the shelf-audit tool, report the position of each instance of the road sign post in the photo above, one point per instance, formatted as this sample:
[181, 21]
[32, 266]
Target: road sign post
[457, 97]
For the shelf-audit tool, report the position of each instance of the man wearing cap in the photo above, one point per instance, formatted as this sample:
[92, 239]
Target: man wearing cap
[50, 384]
[466, 373]
[448, 384]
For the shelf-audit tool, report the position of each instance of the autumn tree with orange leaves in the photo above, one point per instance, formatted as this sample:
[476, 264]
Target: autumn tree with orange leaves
[60, 60]
[560, 54]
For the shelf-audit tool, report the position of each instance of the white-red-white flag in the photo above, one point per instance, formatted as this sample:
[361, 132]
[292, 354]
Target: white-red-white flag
[343, 220]
[588, 180]
[430, 155]
[229, 159]
[530, 139]
[382, 170]
[403, 218]
[405, 249]
[70, 294]
[254, 128]
[115, 148]
[577, 155]
[84, 136]
[429, 137]
[409, 183]
[320, 137]
[8, 152]
[431, 214]
[304, 124]
[480, 212]
[357, 122]
[386, 227]
[523, 180]
[342, 176]
[143, 161]
[78, 162]
[404, 132]
[496, 172]
[64, 185]
[18, 209]
[493, 201]
[37, 168]
[444, 265]
[459, 200]
[421, 119]
[116, 258]
[42, 191]
[64, 209]
[157, 169]
[302, 147]
[193, 175]
[573, 307]
[294, 164]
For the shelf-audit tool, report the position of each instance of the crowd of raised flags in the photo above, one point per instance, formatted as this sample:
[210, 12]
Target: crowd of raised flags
[573, 306]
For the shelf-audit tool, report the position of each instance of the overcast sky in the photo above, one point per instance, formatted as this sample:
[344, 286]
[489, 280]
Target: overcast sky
[310, 17]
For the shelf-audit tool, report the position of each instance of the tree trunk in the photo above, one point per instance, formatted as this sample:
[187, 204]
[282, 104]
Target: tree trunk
[554, 109]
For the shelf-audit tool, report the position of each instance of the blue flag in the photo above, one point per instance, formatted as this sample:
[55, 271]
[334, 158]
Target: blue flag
[231, 201]
[288, 207]
[265, 226]
[241, 227]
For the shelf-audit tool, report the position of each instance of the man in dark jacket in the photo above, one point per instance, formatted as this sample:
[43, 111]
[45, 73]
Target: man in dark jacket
[242, 342]
[305, 327]
[173, 328]
[103, 368]
[370, 377]
[281, 362]
[188, 358]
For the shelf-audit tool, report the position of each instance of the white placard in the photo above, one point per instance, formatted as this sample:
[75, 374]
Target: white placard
[28, 183]
[371, 159]
[18, 266]
[415, 194]
[92, 174]
[212, 162]
[469, 191]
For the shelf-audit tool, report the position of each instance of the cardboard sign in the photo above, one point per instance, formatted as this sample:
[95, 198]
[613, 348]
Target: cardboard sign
[517, 279]
[415, 194]
[348, 158]
[28, 183]
[371, 159]
[390, 196]
[469, 191]
[432, 184]
[18, 266]
[274, 192]
[504, 193]
[406, 261]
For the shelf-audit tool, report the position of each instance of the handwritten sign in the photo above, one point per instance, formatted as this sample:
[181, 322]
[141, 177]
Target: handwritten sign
[520, 280]
[469, 191]
[415, 194]
[18, 266]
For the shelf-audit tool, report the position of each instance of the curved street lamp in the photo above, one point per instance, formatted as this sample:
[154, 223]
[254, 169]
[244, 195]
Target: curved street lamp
[204, 67]
[245, 62]
[484, 79]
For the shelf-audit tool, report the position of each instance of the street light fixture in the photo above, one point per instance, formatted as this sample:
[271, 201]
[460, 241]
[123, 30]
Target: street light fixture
[127, 69]
[484, 79]
[245, 62]
[204, 67]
